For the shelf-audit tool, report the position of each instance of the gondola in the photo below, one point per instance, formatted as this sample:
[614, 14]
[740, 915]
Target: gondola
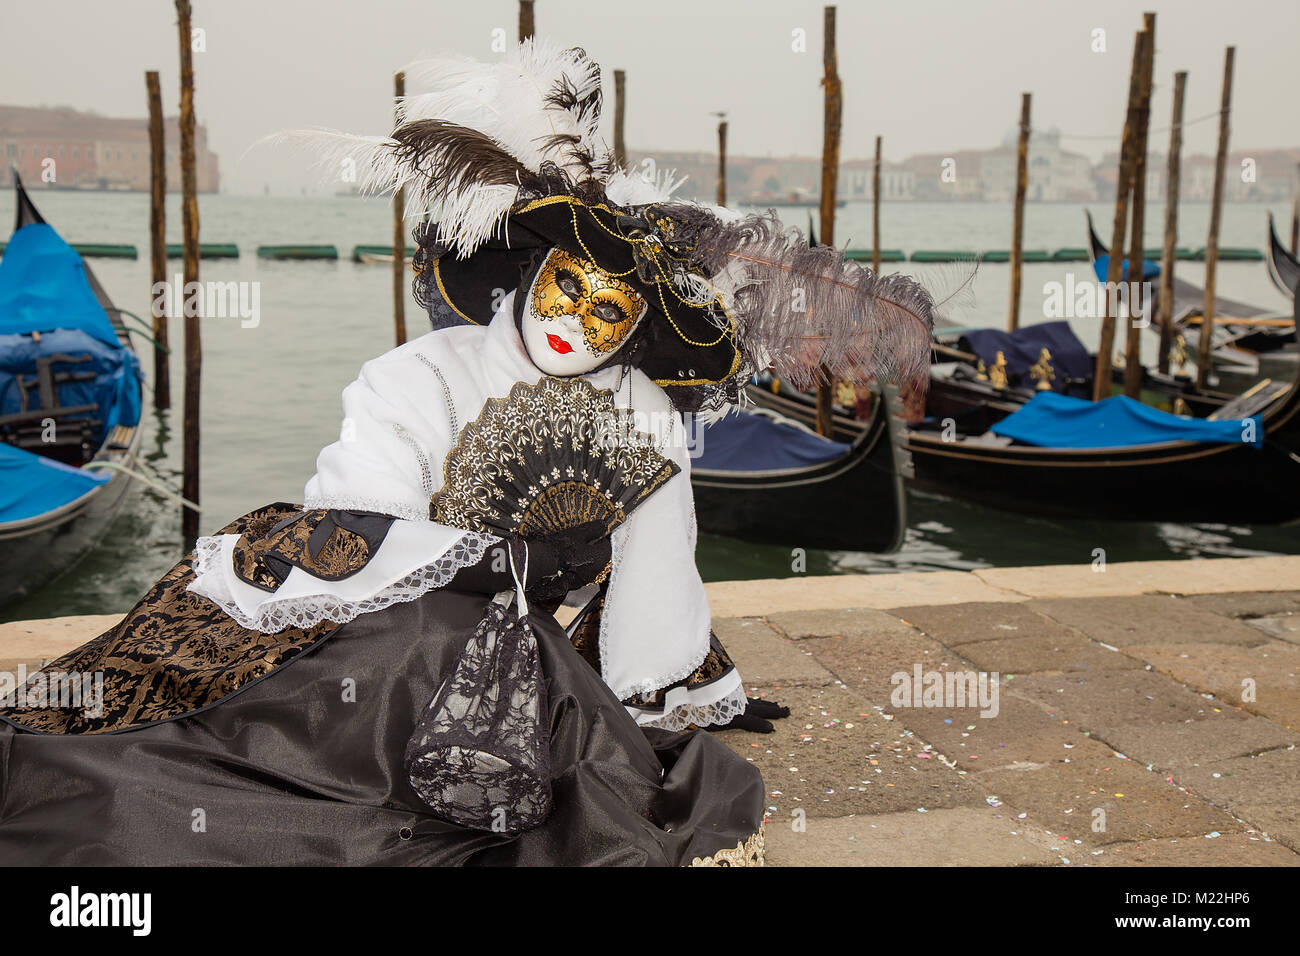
[1199, 481]
[1230, 341]
[70, 394]
[764, 478]
[1283, 267]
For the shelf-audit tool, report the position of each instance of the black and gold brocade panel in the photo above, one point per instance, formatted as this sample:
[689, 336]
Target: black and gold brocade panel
[330, 545]
[174, 652]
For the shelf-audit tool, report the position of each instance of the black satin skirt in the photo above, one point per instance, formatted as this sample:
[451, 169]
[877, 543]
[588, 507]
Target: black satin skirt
[304, 766]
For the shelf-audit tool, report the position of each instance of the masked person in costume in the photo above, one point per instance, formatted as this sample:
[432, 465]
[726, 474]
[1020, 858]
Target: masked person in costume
[378, 676]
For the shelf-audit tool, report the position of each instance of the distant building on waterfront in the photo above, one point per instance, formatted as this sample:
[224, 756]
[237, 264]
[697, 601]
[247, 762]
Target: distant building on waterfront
[65, 148]
[975, 175]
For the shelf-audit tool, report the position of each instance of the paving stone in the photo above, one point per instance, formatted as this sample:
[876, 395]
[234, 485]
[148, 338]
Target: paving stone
[1198, 576]
[842, 622]
[1281, 823]
[773, 595]
[1022, 734]
[1247, 604]
[1227, 849]
[1100, 701]
[838, 758]
[959, 624]
[956, 837]
[1147, 619]
[1268, 779]
[1283, 627]
[1273, 666]
[765, 657]
[866, 664]
[1202, 742]
[1138, 805]
[35, 642]
[1033, 655]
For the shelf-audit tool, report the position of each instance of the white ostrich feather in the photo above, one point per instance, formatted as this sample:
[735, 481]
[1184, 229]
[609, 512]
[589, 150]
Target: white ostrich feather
[509, 100]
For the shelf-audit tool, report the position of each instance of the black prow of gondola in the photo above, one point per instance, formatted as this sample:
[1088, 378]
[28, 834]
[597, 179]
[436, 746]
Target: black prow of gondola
[1283, 267]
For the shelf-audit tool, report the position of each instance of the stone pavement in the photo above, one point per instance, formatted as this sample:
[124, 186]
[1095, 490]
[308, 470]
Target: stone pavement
[1146, 714]
[1137, 723]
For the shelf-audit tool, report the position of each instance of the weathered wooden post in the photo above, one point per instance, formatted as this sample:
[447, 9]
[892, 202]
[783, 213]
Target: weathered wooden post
[190, 243]
[525, 20]
[620, 104]
[399, 229]
[1101, 379]
[875, 212]
[834, 107]
[162, 382]
[1203, 356]
[722, 162]
[1137, 305]
[1018, 216]
[1169, 253]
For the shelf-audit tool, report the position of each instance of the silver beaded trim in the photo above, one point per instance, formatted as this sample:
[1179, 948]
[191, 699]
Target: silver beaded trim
[426, 475]
[446, 392]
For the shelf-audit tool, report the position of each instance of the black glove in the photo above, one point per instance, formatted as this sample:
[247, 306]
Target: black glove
[581, 553]
[757, 718]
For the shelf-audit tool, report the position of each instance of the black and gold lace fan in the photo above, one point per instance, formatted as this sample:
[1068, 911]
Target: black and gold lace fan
[546, 458]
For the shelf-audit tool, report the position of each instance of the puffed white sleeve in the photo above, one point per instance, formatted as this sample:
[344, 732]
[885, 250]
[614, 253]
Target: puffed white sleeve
[396, 431]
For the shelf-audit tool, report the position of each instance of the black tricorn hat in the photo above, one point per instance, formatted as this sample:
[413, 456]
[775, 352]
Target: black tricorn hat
[687, 342]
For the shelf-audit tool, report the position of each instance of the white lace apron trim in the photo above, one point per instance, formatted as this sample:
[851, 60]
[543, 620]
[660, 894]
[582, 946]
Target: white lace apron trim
[715, 704]
[212, 579]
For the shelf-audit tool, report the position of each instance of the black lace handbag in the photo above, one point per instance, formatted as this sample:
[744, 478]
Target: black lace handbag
[480, 753]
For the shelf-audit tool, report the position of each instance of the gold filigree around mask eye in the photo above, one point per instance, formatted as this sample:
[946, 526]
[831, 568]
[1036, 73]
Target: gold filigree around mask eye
[607, 307]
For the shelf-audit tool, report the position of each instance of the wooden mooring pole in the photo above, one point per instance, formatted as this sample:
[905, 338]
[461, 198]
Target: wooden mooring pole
[1203, 353]
[620, 106]
[1137, 306]
[834, 107]
[1102, 371]
[162, 382]
[190, 243]
[525, 20]
[1169, 254]
[399, 230]
[875, 212]
[1018, 215]
[722, 162]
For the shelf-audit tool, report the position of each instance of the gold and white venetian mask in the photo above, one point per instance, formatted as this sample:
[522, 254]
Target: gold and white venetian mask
[577, 315]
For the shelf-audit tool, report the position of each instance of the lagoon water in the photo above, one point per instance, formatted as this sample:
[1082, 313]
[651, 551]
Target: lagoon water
[271, 391]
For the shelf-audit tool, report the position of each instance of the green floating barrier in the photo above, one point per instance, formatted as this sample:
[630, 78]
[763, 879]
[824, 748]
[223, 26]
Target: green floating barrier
[886, 255]
[1070, 254]
[359, 251]
[1028, 255]
[207, 250]
[105, 250]
[1239, 254]
[297, 252]
[1189, 255]
[942, 255]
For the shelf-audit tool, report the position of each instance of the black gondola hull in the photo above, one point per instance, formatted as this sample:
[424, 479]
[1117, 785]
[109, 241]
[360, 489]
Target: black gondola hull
[855, 502]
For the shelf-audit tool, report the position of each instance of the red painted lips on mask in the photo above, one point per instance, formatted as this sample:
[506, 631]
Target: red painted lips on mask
[557, 343]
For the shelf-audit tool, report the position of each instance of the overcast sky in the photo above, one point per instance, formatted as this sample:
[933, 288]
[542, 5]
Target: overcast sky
[928, 76]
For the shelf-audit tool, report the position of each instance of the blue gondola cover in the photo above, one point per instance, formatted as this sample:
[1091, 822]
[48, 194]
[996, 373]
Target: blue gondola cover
[31, 485]
[1060, 421]
[1070, 358]
[744, 441]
